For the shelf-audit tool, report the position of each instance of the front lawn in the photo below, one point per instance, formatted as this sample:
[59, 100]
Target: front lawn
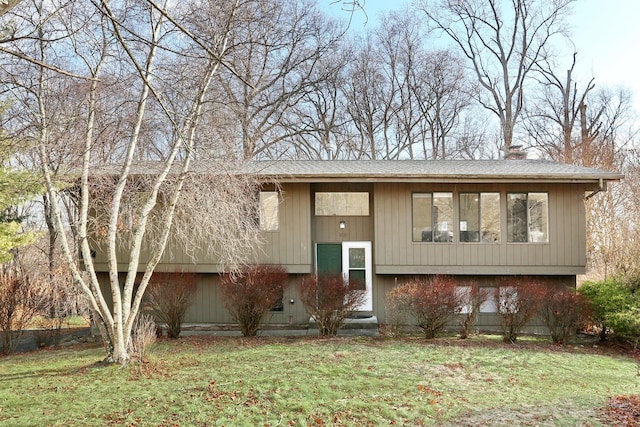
[207, 381]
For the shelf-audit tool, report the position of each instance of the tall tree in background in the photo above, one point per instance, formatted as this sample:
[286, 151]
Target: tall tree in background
[502, 45]
[366, 103]
[556, 117]
[275, 47]
[319, 124]
[405, 100]
[592, 127]
[609, 132]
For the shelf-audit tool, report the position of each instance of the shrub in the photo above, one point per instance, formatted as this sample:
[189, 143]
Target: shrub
[61, 302]
[143, 335]
[169, 295]
[518, 302]
[614, 306]
[20, 302]
[329, 299]
[626, 324]
[251, 293]
[563, 311]
[469, 299]
[430, 302]
[394, 311]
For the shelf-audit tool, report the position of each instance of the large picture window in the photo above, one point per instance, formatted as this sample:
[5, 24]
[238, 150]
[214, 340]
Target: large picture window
[479, 217]
[432, 217]
[528, 217]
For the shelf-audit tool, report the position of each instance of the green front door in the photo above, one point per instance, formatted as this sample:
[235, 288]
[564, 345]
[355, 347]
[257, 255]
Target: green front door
[329, 258]
[352, 260]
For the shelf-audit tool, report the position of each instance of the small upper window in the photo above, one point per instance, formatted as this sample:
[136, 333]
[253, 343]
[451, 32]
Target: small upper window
[528, 217]
[432, 217]
[342, 204]
[269, 202]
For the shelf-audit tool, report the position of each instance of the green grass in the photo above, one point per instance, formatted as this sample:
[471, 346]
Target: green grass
[350, 381]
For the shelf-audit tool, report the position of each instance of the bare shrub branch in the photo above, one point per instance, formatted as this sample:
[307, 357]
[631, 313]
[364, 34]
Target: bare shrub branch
[169, 295]
[143, 335]
[20, 302]
[519, 300]
[329, 299]
[469, 302]
[251, 293]
[429, 301]
[563, 311]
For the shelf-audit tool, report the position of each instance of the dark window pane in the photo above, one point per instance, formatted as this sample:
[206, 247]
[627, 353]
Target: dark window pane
[422, 217]
[356, 258]
[469, 217]
[357, 279]
[517, 217]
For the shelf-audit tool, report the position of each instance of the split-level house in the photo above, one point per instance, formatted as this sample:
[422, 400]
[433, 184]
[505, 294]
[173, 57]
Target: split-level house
[386, 222]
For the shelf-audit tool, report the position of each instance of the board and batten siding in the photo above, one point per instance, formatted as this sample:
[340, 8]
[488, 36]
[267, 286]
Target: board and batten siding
[396, 253]
[290, 246]
[326, 229]
[208, 305]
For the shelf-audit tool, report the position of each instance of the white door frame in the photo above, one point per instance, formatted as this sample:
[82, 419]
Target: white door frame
[367, 304]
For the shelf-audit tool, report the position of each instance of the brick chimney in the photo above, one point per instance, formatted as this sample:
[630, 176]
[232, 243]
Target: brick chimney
[515, 152]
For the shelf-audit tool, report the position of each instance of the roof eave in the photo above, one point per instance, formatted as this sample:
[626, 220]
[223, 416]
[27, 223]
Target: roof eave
[448, 179]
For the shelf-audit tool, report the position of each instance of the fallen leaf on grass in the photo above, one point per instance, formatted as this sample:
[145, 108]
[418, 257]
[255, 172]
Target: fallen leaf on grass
[623, 410]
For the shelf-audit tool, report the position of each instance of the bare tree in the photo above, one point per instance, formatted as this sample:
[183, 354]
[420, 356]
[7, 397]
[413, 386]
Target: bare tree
[608, 141]
[502, 46]
[161, 63]
[443, 94]
[556, 116]
[318, 123]
[366, 102]
[591, 127]
[275, 47]
[406, 101]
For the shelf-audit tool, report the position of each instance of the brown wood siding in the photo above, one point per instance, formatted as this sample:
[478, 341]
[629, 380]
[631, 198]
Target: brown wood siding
[396, 253]
[208, 305]
[290, 246]
[326, 229]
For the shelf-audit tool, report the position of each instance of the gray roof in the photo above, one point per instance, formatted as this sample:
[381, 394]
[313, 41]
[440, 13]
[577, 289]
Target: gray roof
[429, 171]
[451, 171]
